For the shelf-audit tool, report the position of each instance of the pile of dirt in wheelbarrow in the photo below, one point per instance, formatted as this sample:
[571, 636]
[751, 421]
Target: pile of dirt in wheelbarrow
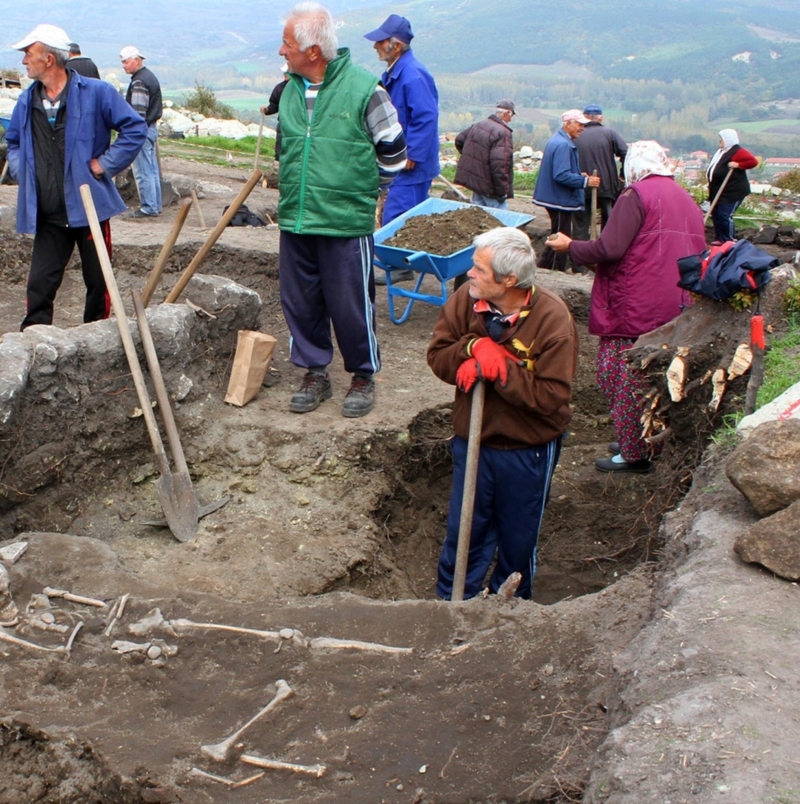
[443, 233]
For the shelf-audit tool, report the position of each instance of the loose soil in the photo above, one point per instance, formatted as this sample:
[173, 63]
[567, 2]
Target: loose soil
[333, 529]
[443, 233]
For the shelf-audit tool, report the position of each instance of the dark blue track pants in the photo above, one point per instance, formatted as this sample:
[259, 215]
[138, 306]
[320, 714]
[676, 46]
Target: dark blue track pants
[510, 495]
[330, 280]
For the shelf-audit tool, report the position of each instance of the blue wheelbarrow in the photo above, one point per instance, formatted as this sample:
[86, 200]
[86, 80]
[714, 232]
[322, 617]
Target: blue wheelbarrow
[442, 267]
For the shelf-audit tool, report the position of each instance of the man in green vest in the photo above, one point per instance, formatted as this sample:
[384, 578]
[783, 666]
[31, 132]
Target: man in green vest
[341, 144]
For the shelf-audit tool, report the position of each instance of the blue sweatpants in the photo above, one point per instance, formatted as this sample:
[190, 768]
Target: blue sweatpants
[402, 197]
[329, 280]
[510, 495]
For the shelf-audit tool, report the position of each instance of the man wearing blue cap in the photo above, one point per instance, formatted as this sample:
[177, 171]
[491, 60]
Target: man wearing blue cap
[414, 95]
[597, 148]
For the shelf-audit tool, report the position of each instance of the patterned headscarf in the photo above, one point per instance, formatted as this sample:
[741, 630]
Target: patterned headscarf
[646, 158]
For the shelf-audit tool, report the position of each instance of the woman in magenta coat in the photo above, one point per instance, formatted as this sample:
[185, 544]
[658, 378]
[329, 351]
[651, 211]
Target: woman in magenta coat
[635, 289]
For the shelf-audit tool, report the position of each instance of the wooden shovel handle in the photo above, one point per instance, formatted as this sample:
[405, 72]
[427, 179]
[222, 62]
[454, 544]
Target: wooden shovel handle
[213, 237]
[716, 197]
[158, 384]
[468, 499]
[124, 331]
[158, 268]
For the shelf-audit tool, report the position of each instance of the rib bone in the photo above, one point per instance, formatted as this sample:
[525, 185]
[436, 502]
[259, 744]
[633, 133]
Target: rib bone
[87, 601]
[276, 764]
[219, 751]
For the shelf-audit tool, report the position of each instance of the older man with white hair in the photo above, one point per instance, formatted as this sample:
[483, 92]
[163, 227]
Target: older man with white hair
[59, 138]
[341, 143]
[520, 340]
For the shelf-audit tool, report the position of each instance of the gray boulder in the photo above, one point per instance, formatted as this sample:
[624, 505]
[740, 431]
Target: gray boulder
[766, 467]
[773, 543]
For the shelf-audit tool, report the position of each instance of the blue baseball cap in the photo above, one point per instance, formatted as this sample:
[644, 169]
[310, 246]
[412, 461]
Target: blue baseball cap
[394, 25]
[593, 108]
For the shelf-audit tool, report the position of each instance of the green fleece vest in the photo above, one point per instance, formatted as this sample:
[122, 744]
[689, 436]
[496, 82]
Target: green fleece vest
[329, 175]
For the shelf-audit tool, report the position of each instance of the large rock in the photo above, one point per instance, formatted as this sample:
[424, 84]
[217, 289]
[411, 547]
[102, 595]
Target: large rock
[766, 467]
[773, 543]
[66, 396]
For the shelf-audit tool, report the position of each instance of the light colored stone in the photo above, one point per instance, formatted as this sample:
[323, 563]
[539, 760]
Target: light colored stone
[773, 543]
[766, 467]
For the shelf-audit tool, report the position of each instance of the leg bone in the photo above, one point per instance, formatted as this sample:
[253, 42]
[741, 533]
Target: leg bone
[219, 751]
[87, 601]
[275, 764]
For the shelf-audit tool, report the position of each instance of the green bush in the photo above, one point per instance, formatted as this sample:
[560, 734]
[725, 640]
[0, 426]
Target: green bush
[204, 101]
[789, 181]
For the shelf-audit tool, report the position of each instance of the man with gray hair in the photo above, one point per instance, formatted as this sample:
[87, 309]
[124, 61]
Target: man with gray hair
[341, 143]
[522, 342]
[560, 184]
[486, 164]
[59, 138]
[599, 147]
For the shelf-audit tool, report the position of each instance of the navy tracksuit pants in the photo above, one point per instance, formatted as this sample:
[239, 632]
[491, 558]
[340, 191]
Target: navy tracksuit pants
[510, 495]
[328, 281]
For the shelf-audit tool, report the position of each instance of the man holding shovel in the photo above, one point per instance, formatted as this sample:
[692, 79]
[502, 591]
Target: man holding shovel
[522, 342]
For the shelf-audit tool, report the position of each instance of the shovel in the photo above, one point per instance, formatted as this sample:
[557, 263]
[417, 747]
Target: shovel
[716, 197]
[182, 521]
[468, 499]
[182, 489]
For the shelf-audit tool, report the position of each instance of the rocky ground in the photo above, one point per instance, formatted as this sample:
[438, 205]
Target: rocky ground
[652, 665]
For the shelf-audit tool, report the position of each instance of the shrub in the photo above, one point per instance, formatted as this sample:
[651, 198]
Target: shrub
[204, 101]
[789, 181]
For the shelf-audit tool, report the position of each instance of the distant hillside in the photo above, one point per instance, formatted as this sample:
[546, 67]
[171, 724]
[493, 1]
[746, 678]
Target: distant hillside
[672, 69]
[632, 39]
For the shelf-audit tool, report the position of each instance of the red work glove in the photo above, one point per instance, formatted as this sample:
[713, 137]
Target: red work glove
[492, 359]
[468, 374]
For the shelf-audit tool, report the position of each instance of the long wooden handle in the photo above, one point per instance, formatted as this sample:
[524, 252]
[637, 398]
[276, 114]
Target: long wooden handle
[158, 384]
[213, 237]
[158, 268]
[593, 219]
[454, 188]
[124, 330]
[468, 500]
[716, 197]
[258, 141]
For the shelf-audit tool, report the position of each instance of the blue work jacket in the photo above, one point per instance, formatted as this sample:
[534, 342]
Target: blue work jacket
[94, 109]
[560, 182]
[413, 92]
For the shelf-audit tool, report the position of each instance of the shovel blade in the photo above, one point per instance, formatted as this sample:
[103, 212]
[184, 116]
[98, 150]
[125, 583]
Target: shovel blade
[179, 503]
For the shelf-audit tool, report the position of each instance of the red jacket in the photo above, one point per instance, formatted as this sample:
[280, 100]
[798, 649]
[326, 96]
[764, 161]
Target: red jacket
[738, 187]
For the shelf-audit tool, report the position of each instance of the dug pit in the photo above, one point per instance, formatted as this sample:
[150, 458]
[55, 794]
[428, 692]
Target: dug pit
[333, 528]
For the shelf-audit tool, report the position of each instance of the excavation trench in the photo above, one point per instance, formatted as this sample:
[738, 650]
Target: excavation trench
[318, 506]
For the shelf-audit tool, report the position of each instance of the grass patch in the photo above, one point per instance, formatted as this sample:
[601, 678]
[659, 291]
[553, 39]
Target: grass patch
[781, 364]
[522, 181]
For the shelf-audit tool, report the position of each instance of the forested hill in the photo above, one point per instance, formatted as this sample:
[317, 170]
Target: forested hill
[740, 42]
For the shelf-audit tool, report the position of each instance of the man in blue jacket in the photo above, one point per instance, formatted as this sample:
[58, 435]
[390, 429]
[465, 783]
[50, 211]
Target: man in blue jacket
[414, 95]
[59, 138]
[560, 184]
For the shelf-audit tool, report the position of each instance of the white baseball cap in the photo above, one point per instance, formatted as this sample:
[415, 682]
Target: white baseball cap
[49, 35]
[130, 52]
